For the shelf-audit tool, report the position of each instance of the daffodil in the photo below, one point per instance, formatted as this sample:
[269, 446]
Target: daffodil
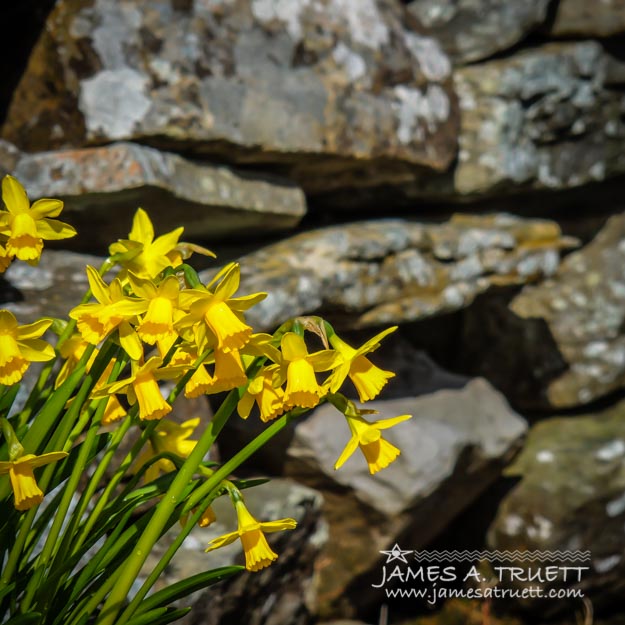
[141, 387]
[378, 452]
[146, 256]
[258, 554]
[168, 436]
[261, 390]
[219, 311]
[113, 310]
[368, 379]
[27, 226]
[302, 388]
[229, 372]
[162, 307]
[25, 489]
[21, 345]
[72, 351]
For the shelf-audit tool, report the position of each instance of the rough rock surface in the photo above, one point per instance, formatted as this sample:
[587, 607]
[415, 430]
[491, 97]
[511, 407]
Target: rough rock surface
[105, 185]
[282, 593]
[549, 118]
[471, 30]
[255, 81]
[571, 498]
[584, 308]
[384, 272]
[452, 449]
[585, 19]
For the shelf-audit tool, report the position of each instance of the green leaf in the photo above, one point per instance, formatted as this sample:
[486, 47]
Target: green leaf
[24, 619]
[241, 484]
[185, 587]
[161, 616]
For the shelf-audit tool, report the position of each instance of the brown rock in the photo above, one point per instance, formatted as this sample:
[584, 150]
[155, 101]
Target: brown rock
[583, 19]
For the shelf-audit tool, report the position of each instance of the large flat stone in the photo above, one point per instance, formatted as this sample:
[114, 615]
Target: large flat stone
[451, 451]
[335, 92]
[102, 187]
[391, 271]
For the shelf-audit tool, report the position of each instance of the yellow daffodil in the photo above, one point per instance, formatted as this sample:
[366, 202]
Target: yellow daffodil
[229, 371]
[270, 400]
[258, 554]
[162, 306]
[207, 518]
[114, 411]
[201, 380]
[21, 345]
[378, 452]
[219, 311]
[25, 489]
[141, 387]
[368, 379]
[146, 256]
[168, 436]
[302, 388]
[27, 226]
[72, 351]
[113, 310]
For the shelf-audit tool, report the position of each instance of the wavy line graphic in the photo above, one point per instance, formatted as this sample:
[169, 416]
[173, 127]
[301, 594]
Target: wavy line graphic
[525, 556]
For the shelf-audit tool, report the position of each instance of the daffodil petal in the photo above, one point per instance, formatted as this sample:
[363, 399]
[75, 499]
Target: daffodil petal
[293, 346]
[46, 207]
[14, 195]
[53, 230]
[350, 448]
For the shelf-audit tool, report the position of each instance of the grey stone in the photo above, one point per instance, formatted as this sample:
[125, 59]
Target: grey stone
[334, 92]
[580, 18]
[451, 450]
[389, 271]
[51, 288]
[570, 498]
[9, 155]
[102, 187]
[547, 118]
[583, 306]
[472, 30]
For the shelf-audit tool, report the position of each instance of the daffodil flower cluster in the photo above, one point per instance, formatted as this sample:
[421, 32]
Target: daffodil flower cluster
[146, 319]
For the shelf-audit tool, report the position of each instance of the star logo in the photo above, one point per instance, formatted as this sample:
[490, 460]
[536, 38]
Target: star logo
[396, 553]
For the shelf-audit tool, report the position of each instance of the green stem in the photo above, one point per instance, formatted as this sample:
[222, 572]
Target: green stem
[132, 565]
[202, 498]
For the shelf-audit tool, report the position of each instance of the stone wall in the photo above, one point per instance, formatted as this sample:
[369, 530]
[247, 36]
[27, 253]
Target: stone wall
[455, 167]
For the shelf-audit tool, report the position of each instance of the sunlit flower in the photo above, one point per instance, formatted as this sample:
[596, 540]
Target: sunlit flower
[25, 489]
[368, 379]
[141, 387]
[168, 436]
[96, 321]
[157, 324]
[27, 226]
[302, 388]
[229, 372]
[114, 411]
[146, 256]
[219, 311]
[258, 554]
[21, 345]
[378, 452]
[270, 400]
